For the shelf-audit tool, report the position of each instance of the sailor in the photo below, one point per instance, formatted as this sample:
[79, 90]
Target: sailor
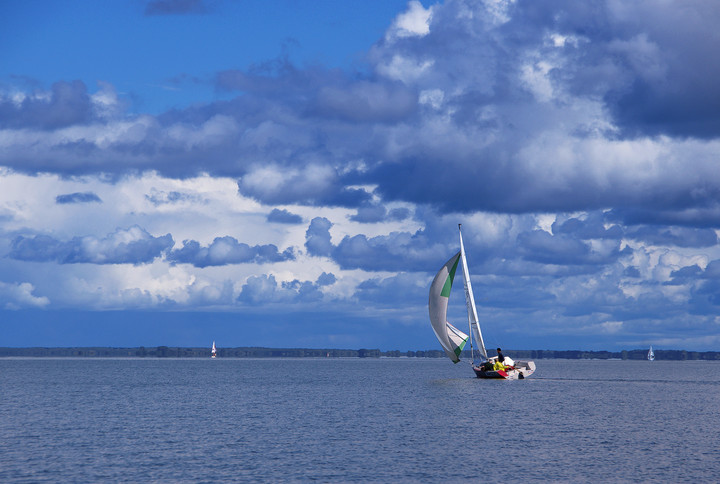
[501, 357]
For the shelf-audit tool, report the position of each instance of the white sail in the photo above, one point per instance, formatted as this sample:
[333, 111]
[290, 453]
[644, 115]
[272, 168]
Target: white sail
[651, 355]
[213, 351]
[470, 301]
[451, 339]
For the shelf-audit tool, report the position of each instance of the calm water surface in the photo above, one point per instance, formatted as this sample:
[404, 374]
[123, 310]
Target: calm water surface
[355, 420]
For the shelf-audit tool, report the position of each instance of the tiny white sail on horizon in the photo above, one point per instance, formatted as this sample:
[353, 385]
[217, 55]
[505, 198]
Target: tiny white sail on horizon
[651, 354]
[213, 352]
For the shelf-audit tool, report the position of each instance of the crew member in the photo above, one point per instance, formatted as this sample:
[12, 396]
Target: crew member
[501, 357]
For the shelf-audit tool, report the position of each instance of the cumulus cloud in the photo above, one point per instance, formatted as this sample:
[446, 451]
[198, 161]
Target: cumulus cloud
[326, 279]
[227, 250]
[317, 237]
[264, 289]
[124, 246]
[412, 23]
[20, 295]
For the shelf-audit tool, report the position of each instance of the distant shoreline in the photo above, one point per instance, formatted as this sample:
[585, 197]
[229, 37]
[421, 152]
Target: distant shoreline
[261, 352]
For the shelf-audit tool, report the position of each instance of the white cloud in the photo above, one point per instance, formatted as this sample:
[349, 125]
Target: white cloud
[404, 69]
[537, 80]
[282, 184]
[414, 22]
[20, 295]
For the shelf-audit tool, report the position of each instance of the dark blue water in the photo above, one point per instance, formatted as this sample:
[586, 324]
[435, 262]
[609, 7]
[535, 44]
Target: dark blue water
[355, 420]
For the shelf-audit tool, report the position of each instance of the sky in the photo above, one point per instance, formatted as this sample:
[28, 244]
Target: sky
[292, 174]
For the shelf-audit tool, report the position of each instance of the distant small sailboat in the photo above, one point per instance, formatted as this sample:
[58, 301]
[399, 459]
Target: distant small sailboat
[651, 355]
[452, 339]
[213, 352]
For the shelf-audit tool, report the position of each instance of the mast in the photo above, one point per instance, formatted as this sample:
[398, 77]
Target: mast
[470, 300]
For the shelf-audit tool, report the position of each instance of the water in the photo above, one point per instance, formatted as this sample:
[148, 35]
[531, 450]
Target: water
[355, 420]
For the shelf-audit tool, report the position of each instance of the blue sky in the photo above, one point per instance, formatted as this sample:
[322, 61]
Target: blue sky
[275, 173]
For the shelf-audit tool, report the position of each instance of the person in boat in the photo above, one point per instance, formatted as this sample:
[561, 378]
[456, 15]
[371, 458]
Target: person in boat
[500, 363]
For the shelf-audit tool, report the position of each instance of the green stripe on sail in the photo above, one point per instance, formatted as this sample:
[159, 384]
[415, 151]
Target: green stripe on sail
[459, 349]
[449, 281]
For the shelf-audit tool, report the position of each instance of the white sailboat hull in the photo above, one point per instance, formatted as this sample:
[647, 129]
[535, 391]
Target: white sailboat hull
[520, 371]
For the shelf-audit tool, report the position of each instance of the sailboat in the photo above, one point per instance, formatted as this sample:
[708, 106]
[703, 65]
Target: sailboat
[213, 351]
[452, 339]
[651, 355]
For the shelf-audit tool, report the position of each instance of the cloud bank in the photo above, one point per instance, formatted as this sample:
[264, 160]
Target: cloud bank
[577, 143]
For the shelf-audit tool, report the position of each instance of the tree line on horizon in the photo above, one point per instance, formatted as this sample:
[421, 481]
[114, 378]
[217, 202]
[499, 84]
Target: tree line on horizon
[260, 352]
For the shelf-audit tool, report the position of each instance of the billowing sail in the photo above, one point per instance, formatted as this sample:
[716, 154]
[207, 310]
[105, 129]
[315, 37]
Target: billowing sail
[470, 301]
[451, 339]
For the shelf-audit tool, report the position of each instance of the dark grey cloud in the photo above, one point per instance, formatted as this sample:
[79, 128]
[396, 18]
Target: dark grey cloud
[674, 236]
[392, 292]
[373, 212]
[78, 197]
[591, 227]
[124, 246]
[706, 215]
[366, 101]
[282, 216]
[264, 289]
[517, 108]
[540, 246]
[517, 249]
[681, 276]
[632, 271]
[395, 252]
[712, 271]
[325, 94]
[317, 237]
[66, 104]
[227, 250]
[398, 214]
[326, 279]
[303, 187]
[370, 213]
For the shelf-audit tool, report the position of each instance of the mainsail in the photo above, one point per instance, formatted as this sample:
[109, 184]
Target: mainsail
[470, 301]
[452, 339]
[651, 355]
